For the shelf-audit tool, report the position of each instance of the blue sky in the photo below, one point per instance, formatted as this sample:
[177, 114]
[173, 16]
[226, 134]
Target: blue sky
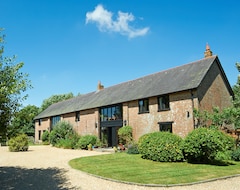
[70, 45]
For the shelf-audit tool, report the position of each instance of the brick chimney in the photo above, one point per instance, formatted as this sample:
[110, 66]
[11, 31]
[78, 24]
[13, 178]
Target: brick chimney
[208, 52]
[99, 86]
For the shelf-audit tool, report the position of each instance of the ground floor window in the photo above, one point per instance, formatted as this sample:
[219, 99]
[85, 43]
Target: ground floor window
[39, 134]
[165, 126]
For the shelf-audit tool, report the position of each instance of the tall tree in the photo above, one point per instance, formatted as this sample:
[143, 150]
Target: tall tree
[236, 89]
[13, 83]
[54, 99]
[23, 122]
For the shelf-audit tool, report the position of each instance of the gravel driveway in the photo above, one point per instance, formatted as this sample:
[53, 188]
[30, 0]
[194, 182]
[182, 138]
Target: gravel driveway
[46, 168]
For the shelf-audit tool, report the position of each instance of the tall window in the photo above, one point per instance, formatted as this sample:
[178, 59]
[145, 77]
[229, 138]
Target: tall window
[163, 103]
[39, 122]
[111, 113]
[55, 120]
[165, 126]
[77, 116]
[143, 106]
[39, 135]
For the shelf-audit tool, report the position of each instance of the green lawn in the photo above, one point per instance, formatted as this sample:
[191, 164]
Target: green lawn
[132, 168]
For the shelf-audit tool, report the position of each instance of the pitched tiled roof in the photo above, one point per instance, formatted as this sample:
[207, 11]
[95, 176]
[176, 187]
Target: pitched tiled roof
[177, 79]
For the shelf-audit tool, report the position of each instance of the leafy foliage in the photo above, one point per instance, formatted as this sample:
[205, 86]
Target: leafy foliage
[236, 89]
[63, 134]
[125, 135]
[46, 136]
[161, 147]
[85, 140]
[236, 154]
[18, 143]
[23, 121]
[54, 99]
[133, 149]
[217, 118]
[13, 84]
[203, 144]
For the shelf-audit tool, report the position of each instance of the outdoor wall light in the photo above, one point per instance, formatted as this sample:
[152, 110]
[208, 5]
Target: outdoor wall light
[96, 125]
[125, 122]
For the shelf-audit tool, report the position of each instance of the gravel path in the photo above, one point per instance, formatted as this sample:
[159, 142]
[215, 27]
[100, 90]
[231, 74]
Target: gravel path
[46, 168]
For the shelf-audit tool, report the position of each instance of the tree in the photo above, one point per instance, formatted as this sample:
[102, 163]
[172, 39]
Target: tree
[13, 83]
[54, 99]
[236, 89]
[23, 122]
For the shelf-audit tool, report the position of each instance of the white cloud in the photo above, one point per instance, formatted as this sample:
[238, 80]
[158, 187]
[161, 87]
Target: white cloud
[105, 22]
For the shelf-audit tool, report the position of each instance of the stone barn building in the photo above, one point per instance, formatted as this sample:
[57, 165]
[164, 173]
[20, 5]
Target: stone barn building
[163, 101]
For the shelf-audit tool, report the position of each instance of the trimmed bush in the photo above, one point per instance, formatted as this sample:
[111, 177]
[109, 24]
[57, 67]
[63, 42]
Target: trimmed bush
[236, 154]
[84, 141]
[161, 147]
[125, 135]
[204, 145]
[18, 143]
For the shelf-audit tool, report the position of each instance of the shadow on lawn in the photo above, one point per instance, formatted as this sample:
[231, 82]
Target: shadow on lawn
[214, 162]
[26, 179]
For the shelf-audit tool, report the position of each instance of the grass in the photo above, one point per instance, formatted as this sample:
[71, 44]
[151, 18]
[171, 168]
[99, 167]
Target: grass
[132, 168]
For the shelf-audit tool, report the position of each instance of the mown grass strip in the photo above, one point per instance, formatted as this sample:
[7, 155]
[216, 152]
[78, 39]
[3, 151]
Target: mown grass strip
[132, 168]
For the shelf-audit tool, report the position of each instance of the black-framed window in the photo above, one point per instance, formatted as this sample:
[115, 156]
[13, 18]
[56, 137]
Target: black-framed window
[163, 103]
[39, 122]
[143, 106]
[165, 126]
[39, 135]
[110, 113]
[55, 120]
[77, 116]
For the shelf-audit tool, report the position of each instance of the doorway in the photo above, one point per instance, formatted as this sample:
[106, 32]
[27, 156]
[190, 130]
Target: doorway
[109, 136]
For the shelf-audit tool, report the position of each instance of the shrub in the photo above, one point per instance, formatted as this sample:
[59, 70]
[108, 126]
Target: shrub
[142, 142]
[236, 154]
[133, 149]
[45, 136]
[61, 131]
[203, 145]
[84, 141]
[71, 140]
[125, 135]
[53, 137]
[18, 143]
[161, 147]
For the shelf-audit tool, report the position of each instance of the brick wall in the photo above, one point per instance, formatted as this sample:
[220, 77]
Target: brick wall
[180, 113]
[213, 92]
[45, 125]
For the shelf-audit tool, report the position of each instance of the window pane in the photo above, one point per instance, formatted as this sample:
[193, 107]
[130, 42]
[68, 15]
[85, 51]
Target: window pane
[114, 113]
[166, 127]
[143, 106]
[118, 112]
[55, 120]
[105, 116]
[163, 102]
[111, 113]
